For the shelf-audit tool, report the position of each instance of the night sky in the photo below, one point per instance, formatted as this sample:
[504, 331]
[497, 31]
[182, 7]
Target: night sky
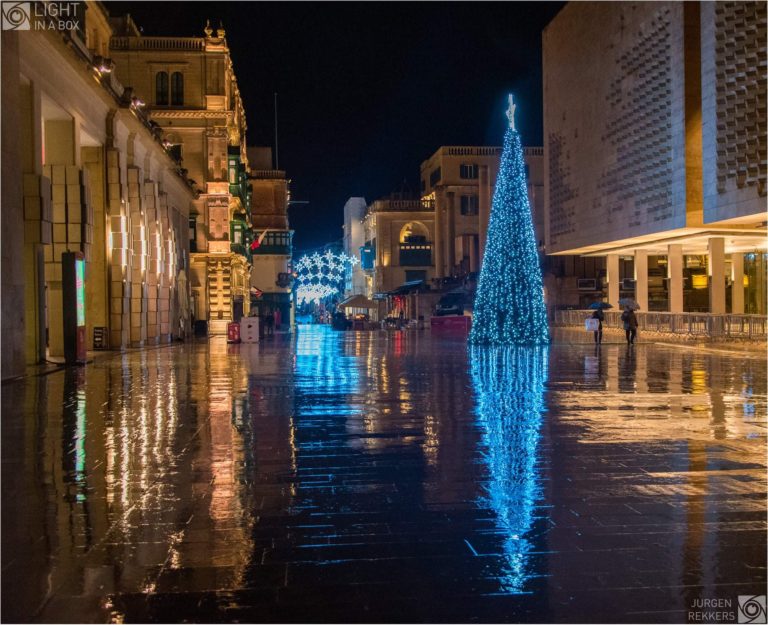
[367, 91]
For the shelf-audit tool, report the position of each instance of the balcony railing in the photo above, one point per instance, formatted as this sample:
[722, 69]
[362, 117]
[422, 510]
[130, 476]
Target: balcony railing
[457, 150]
[157, 43]
[380, 206]
[267, 174]
[238, 248]
[704, 325]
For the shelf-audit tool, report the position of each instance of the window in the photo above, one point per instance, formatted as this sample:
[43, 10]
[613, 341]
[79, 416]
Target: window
[174, 152]
[434, 177]
[192, 234]
[468, 171]
[237, 234]
[469, 205]
[161, 88]
[177, 89]
[232, 171]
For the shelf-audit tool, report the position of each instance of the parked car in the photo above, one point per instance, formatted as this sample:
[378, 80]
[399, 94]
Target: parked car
[450, 304]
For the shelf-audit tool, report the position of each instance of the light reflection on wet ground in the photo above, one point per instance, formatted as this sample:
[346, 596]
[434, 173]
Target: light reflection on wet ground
[349, 477]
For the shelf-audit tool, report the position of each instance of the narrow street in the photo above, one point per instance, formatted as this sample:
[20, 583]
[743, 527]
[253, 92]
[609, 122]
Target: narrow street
[384, 477]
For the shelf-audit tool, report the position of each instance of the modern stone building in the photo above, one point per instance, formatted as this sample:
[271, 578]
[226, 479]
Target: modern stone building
[191, 93]
[83, 170]
[655, 149]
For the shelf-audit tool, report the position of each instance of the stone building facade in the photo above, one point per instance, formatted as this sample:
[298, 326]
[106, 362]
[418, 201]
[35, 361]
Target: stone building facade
[84, 171]
[654, 155]
[191, 93]
[399, 235]
[271, 256]
[461, 181]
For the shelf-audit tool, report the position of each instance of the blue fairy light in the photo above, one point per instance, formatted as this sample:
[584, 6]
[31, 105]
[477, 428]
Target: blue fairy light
[509, 307]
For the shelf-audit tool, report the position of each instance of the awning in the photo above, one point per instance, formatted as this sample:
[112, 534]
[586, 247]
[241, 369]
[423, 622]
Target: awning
[409, 287]
[357, 301]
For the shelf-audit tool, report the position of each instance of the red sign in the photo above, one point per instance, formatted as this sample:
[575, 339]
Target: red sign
[233, 332]
[451, 322]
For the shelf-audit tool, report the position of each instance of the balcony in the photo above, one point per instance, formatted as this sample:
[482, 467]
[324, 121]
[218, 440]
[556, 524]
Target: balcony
[456, 150]
[267, 174]
[415, 254]
[278, 242]
[238, 248]
[383, 206]
[189, 44]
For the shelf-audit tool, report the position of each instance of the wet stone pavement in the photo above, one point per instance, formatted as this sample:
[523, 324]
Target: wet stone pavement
[385, 477]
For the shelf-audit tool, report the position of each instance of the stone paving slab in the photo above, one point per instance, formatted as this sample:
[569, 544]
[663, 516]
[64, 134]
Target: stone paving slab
[384, 477]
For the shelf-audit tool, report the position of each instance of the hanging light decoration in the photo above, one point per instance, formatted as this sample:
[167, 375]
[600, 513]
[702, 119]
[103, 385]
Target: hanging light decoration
[320, 276]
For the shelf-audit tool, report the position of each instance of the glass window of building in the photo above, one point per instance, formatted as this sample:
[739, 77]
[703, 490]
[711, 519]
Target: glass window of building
[161, 88]
[469, 205]
[468, 171]
[192, 234]
[177, 89]
[435, 177]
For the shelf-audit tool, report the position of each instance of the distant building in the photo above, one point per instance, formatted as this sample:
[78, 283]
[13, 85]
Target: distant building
[461, 181]
[655, 150]
[272, 250]
[191, 93]
[399, 234]
[84, 170]
[354, 242]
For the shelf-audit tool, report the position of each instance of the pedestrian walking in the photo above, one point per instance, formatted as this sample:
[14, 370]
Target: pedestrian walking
[630, 324]
[598, 314]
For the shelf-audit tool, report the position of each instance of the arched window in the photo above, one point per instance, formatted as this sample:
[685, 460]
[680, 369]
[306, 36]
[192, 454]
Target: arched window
[161, 88]
[177, 89]
[414, 232]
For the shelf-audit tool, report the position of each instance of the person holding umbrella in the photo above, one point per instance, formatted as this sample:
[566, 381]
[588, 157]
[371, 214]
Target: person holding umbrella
[629, 319]
[598, 314]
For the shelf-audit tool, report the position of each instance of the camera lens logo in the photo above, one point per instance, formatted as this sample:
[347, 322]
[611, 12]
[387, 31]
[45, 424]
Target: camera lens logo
[16, 16]
[752, 609]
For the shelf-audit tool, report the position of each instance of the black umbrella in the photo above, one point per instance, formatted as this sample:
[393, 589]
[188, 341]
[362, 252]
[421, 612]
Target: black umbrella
[600, 305]
[628, 302]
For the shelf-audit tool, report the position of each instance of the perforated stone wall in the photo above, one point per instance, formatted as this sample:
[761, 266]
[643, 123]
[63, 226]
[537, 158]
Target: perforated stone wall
[638, 127]
[740, 70]
[561, 190]
[733, 45]
[614, 122]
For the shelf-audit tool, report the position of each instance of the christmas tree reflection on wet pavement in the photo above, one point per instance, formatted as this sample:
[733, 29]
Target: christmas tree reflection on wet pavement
[384, 477]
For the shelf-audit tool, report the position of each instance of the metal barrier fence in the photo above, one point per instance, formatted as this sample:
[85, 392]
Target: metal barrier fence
[706, 325]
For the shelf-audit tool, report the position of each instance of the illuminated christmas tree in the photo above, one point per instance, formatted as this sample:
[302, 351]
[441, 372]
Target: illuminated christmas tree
[509, 307]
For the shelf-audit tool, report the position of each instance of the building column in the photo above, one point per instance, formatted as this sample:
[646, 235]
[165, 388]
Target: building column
[438, 242]
[641, 279]
[737, 288]
[484, 209]
[716, 264]
[675, 275]
[450, 244]
[474, 259]
[612, 274]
